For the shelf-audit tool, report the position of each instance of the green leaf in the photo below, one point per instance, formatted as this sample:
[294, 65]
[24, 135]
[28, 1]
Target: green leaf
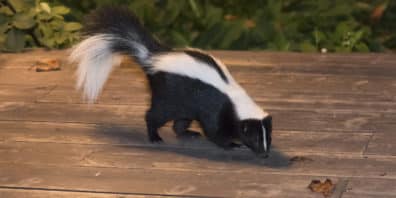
[61, 38]
[306, 46]
[60, 10]
[341, 49]
[4, 28]
[4, 25]
[45, 16]
[6, 11]
[44, 6]
[319, 36]
[194, 8]
[362, 47]
[178, 39]
[23, 21]
[21, 5]
[46, 31]
[213, 15]
[15, 40]
[72, 26]
[2, 40]
[233, 33]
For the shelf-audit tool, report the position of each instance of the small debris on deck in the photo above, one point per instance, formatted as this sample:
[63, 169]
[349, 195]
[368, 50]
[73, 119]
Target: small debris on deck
[46, 65]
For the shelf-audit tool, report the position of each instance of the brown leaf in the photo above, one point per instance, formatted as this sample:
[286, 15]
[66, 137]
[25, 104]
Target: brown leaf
[46, 65]
[326, 188]
[230, 17]
[250, 23]
[378, 12]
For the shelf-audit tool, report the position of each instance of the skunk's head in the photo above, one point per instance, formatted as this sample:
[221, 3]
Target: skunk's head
[256, 134]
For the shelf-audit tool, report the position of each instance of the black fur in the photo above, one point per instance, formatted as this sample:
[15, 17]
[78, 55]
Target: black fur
[125, 27]
[208, 60]
[179, 98]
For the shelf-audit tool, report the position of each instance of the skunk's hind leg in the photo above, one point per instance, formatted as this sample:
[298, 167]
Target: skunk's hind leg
[181, 128]
[155, 119]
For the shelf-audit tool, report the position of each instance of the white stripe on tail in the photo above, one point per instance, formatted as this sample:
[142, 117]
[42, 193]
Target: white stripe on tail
[95, 63]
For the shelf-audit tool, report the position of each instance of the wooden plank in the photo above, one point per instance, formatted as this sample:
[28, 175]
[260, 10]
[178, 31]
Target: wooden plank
[284, 141]
[155, 182]
[382, 143]
[365, 187]
[372, 195]
[336, 110]
[29, 77]
[25, 60]
[23, 93]
[249, 58]
[243, 58]
[339, 69]
[284, 118]
[250, 75]
[51, 193]
[133, 94]
[316, 83]
[191, 160]
[65, 77]
[113, 114]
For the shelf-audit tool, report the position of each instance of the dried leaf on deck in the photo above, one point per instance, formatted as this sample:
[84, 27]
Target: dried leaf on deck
[326, 188]
[47, 65]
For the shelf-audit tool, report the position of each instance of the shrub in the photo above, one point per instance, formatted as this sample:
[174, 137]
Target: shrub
[281, 25]
[28, 23]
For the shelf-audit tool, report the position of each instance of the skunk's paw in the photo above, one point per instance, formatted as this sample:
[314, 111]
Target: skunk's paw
[189, 134]
[235, 145]
[156, 139]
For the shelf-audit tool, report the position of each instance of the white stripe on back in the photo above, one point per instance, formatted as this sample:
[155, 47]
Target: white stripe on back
[183, 64]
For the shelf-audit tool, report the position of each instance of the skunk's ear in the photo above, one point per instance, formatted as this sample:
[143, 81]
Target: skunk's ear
[267, 119]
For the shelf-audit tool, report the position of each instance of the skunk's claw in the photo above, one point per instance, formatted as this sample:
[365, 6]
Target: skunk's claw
[156, 139]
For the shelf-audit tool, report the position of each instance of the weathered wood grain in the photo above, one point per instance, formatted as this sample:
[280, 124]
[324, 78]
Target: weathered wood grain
[276, 98]
[365, 187]
[59, 193]
[191, 160]
[135, 135]
[155, 182]
[382, 143]
[284, 118]
[23, 93]
[335, 112]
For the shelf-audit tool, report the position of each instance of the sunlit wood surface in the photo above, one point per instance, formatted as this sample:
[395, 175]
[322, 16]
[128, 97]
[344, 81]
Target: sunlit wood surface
[337, 112]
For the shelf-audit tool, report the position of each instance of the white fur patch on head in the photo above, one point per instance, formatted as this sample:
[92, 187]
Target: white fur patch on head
[182, 64]
[95, 63]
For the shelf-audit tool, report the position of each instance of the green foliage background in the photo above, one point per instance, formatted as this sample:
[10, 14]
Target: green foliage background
[281, 25]
[29, 23]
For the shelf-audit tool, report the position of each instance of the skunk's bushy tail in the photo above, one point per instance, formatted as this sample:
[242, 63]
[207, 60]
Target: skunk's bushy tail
[110, 31]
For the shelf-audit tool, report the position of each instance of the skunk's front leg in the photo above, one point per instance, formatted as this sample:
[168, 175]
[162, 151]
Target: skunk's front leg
[154, 121]
[217, 136]
[224, 142]
[181, 128]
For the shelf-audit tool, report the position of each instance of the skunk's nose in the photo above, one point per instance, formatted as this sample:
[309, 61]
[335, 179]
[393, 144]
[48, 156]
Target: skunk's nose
[263, 155]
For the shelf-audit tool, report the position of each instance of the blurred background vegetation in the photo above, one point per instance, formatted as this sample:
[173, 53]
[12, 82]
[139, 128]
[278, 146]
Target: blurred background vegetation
[277, 25]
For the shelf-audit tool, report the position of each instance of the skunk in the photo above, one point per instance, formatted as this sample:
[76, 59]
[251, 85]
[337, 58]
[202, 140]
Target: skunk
[186, 85]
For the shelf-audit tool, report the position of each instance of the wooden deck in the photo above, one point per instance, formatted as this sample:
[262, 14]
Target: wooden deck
[337, 112]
